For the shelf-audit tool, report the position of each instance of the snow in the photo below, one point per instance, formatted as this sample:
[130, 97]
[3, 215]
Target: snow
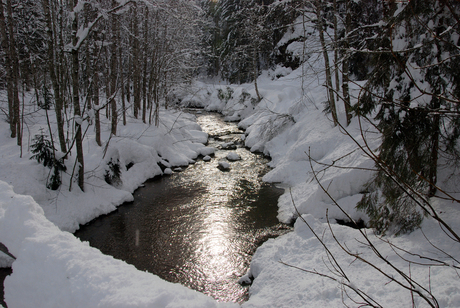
[302, 141]
[176, 142]
[54, 269]
[233, 156]
[223, 165]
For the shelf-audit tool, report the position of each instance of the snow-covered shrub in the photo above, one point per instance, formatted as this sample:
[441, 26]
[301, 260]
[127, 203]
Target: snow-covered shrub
[414, 91]
[225, 95]
[244, 96]
[112, 174]
[44, 152]
[274, 125]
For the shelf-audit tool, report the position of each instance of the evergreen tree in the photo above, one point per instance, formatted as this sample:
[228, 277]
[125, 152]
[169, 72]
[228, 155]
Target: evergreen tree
[44, 152]
[416, 94]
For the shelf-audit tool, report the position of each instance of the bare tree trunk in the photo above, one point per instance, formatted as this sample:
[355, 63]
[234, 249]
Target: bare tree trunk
[54, 79]
[336, 51]
[122, 85]
[113, 73]
[145, 74]
[256, 72]
[433, 169]
[137, 73]
[326, 62]
[97, 117]
[76, 102]
[129, 79]
[14, 61]
[9, 70]
[345, 65]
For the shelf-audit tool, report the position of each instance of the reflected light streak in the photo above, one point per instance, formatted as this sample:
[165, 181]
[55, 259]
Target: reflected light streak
[198, 227]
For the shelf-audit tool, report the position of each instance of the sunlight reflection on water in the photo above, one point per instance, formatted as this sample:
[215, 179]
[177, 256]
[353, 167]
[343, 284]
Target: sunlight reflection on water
[198, 227]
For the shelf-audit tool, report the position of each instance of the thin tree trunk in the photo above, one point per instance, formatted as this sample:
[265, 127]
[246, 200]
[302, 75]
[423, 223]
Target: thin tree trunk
[435, 133]
[122, 85]
[145, 74]
[97, 118]
[345, 65]
[433, 173]
[326, 62]
[14, 61]
[9, 70]
[76, 103]
[54, 80]
[129, 80]
[336, 51]
[113, 73]
[256, 73]
[136, 76]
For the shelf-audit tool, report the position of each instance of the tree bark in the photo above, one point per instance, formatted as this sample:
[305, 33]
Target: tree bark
[113, 73]
[256, 73]
[336, 51]
[76, 102]
[345, 65]
[9, 70]
[97, 117]
[145, 74]
[136, 76]
[53, 76]
[326, 62]
[122, 86]
[15, 68]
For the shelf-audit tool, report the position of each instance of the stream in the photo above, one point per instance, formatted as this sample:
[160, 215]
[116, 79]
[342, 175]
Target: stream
[198, 227]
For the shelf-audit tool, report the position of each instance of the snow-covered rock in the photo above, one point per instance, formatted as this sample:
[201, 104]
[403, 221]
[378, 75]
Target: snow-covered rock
[223, 165]
[228, 146]
[233, 156]
[207, 151]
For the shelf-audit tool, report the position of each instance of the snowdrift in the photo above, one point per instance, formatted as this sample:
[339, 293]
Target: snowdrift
[55, 269]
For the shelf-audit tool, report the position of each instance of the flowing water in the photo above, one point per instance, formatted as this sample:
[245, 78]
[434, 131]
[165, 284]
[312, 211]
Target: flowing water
[198, 227]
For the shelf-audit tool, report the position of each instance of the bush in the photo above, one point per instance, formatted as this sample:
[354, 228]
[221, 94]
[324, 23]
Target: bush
[225, 96]
[44, 153]
[112, 174]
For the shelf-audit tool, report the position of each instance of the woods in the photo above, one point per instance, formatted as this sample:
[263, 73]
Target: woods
[355, 102]
[402, 55]
[97, 58]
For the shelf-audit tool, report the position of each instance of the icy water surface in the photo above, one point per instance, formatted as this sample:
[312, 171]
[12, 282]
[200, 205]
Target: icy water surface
[198, 227]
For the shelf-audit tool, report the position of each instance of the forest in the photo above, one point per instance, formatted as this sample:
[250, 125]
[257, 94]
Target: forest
[390, 68]
[85, 59]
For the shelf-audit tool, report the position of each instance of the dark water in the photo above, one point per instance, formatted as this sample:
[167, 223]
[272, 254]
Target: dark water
[198, 227]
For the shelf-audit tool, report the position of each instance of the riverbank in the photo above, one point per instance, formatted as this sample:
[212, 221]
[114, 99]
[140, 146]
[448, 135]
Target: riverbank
[40, 215]
[322, 263]
[54, 269]
[198, 227]
[139, 149]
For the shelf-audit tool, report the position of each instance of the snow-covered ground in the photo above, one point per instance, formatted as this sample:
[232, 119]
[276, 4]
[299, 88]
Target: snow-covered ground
[289, 271]
[54, 269]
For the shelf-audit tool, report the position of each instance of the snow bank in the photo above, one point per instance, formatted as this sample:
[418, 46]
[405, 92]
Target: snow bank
[138, 148]
[291, 127]
[55, 269]
[279, 285]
